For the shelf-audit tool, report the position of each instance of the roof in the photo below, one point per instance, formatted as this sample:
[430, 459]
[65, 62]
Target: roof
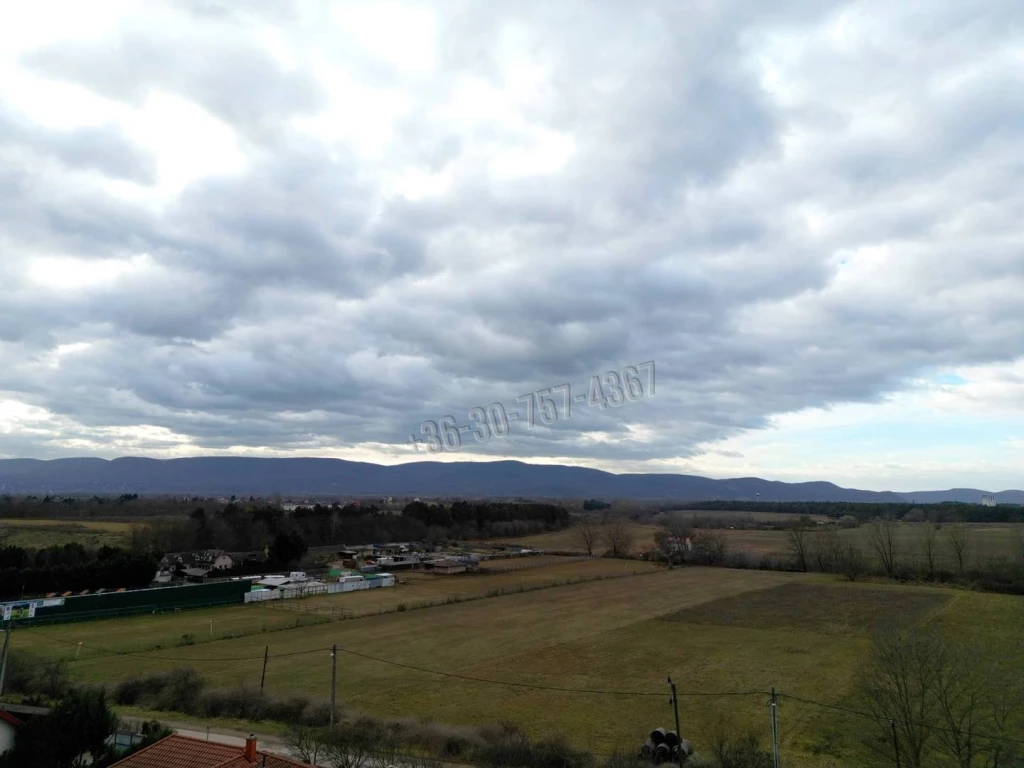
[275, 581]
[177, 751]
[7, 717]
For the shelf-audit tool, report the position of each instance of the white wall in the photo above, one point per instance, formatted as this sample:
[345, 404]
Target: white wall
[6, 736]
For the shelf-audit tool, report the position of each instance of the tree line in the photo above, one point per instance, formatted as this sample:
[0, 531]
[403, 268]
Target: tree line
[940, 552]
[71, 567]
[944, 512]
[245, 526]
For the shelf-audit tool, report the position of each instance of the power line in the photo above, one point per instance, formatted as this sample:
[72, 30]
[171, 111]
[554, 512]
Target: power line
[510, 684]
[488, 681]
[148, 655]
[425, 670]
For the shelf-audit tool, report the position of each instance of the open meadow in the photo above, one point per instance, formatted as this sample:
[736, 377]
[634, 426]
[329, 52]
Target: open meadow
[415, 589]
[985, 541]
[33, 533]
[726, 636]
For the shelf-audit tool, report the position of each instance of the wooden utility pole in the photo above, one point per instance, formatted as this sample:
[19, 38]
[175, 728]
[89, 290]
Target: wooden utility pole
[263, 678]
[334, 678]
[679, 736]
[774, 704]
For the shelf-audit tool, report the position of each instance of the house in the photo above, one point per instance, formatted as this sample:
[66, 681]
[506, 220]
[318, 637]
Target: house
[213, 560]
[176, 751]
[172, 560]
[9, 725]
[240, 558]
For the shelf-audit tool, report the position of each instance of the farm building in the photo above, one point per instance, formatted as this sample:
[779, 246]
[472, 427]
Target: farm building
[293, 579]
[446, 566]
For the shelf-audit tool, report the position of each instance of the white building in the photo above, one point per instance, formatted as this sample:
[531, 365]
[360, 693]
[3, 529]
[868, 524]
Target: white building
[9, 726]
[988, 500]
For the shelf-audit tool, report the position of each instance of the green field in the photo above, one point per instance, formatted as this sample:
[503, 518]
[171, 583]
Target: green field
[34, 533]
[714, 630]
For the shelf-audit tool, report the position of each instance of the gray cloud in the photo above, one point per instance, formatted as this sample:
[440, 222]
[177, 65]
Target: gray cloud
[699, 220]
[105, 149]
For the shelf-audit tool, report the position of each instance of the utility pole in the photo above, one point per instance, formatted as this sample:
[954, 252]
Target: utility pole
[334, 678]
[895, 742]
[263, 678]
[774, 704]
[3, 663]
[679, 736]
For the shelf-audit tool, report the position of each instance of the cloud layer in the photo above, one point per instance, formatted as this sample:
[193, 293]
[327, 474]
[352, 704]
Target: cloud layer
[306, 229]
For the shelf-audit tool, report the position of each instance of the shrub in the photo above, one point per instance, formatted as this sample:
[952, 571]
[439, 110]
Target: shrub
[290, 710]
[128, 692]
[180, 690]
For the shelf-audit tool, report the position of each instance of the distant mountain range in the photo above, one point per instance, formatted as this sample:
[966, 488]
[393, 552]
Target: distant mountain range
[223, 476]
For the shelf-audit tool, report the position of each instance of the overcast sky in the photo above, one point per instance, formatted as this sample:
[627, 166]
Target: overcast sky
[303, 229]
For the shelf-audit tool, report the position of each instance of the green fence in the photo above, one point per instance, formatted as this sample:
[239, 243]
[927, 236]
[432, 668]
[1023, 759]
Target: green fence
[138, 601]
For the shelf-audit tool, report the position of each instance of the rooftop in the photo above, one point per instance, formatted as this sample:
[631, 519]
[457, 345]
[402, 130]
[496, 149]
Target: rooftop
[176, 751]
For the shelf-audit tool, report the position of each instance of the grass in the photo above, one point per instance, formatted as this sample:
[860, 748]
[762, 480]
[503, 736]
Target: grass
[986, 541]
[830, 610]
[566, 541]
[416, 588]
[727, 631]
[522, 563]
[39, 533]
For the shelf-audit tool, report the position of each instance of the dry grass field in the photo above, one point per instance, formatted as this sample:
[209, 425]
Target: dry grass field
[566, 541]
[714, 630]
[415, 589]
[37, 533]
[986, 541]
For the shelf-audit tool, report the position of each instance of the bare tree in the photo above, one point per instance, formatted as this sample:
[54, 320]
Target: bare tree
[349, 747]
[827, 549]
[675, 537]
[586, 534]
[710, 547]
[958, 539]
[799, 546]
[940, 695]
[898, 684]
[882, 535]
[978, 697]
[929, 546]
[307, 743]
[851, 561]
[964, 693]
[618, 534]
[736, 745]
[385, 754]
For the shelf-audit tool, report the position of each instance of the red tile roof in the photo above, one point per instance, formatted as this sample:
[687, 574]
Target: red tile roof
[9, 718]
[177, 751]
